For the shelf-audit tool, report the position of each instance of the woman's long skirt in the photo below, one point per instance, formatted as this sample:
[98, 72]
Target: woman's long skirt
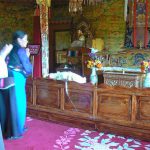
[13, 107]
[1, 140]
[8, 113]
[20, 93]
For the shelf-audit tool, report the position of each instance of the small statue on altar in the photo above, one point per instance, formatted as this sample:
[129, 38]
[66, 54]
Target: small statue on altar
[80, 35]
[80, 42]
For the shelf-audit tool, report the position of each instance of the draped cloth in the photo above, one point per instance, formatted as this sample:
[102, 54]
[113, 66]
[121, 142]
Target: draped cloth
[37, 67]
[125, 9]
[3, 68]
[43, 17]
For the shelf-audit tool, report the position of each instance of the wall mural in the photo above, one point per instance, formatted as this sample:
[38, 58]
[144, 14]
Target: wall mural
[107, 22]
[15, 16]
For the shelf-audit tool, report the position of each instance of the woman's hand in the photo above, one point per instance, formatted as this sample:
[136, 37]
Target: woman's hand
[6, 50]
[8, 47]
[28, 52]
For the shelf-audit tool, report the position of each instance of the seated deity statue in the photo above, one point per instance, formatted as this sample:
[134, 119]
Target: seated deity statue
[80, 42]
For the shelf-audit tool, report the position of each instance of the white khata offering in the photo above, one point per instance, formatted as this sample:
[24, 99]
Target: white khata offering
[68, 76]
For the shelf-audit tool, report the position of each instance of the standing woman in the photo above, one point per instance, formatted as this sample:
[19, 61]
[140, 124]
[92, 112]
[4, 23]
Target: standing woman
[21, 68]
[3, 77]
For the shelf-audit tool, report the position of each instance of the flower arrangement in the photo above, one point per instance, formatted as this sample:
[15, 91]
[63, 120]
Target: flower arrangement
[145, 66]
[94, 61]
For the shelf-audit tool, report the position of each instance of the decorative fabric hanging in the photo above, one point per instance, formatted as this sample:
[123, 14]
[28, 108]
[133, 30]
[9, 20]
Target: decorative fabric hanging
[146, 25]
[43, 5]
[134, 24]
[125, 9]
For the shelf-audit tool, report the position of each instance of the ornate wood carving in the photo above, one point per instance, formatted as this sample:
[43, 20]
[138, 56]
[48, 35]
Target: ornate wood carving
[123, 79]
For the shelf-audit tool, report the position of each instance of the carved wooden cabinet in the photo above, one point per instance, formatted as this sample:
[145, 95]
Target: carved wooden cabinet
[123, 79]
[29, 91]
[120, 110]
[47, 96]
[143, 105]
[114, 107]
[79, 99]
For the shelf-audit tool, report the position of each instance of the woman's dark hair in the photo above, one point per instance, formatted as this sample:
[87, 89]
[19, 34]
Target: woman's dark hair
[18, 34]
